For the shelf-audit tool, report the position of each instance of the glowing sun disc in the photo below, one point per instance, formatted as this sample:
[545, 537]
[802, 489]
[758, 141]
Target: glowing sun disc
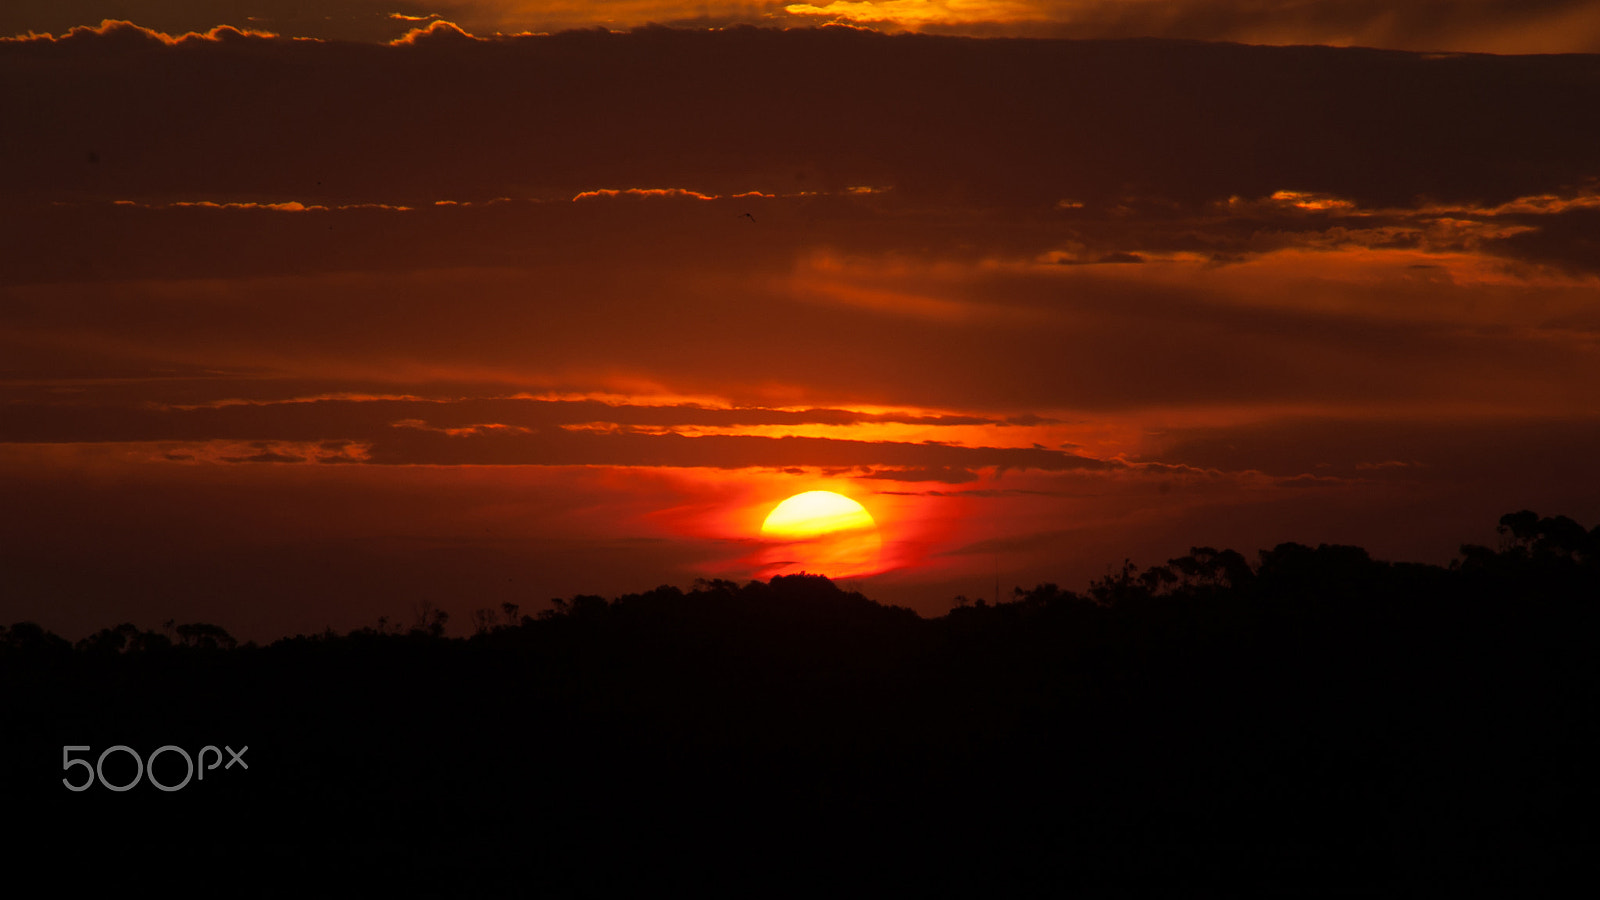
[815, 513]
[822, 533]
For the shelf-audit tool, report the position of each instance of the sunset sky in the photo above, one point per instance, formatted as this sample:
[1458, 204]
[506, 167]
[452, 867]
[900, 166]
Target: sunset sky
[308, 318]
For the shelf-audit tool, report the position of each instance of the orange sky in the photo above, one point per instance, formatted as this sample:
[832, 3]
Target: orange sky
[301, 333]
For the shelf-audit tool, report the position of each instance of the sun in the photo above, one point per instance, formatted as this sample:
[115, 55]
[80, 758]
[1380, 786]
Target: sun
[814, 513]
[823, 533]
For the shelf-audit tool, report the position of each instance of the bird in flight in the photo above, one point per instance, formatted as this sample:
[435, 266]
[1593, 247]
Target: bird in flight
[747, 216]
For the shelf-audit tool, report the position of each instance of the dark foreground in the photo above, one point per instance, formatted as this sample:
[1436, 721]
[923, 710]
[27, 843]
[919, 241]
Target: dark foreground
[1314, 724]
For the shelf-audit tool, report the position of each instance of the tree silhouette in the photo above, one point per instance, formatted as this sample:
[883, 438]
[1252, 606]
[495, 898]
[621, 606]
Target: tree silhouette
[31, 638]
[1324, 709]
[205, 636]
[428, 619]
[483, 621]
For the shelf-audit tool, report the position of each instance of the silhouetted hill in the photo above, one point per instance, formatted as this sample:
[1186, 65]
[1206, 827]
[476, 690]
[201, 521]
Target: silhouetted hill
[1319, 723]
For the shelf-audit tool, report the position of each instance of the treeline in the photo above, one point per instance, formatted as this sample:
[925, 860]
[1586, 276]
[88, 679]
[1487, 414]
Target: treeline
[1313, 722]
[1538, 557]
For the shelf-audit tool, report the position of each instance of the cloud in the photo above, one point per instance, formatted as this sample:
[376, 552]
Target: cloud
[561, 448]
[1497, 26]
[333, 20]
[679, 193]
[1251, 121]
[286, 206]
[918, 13]
[1429, 451]
[1389, 464]
[434, 33]
[945, 474]
[681, 298]
[123, 34]
[533, 432]
[1543, 229]
[1568, 240]
[265, 457]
